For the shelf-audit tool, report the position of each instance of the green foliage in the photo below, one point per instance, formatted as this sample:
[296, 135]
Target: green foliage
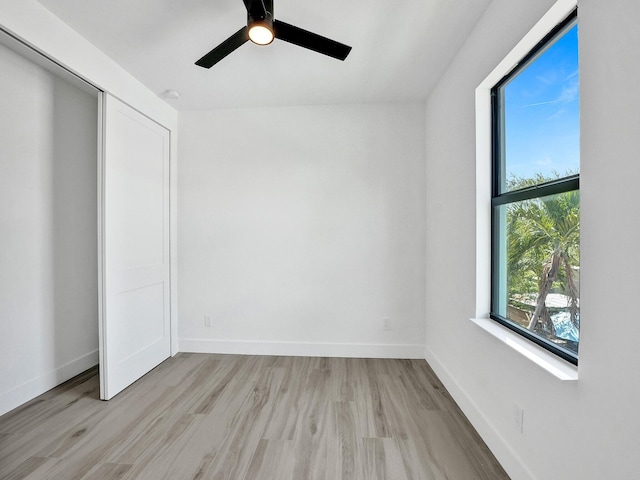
[541, 232]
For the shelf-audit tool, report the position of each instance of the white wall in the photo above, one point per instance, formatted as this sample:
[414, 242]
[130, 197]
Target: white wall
[301, 229]
[589, 429]
[48, 253]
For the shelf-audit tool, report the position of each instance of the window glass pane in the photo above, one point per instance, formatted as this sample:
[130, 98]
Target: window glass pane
[540, 253]
[541, 116]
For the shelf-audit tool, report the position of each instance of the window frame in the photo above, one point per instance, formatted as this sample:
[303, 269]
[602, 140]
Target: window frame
[498, 198]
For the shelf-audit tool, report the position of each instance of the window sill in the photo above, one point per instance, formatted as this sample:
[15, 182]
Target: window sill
[548, 361]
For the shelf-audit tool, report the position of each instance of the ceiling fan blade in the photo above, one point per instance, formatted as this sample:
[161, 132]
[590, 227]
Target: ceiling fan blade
[312, 41]
[225, 48]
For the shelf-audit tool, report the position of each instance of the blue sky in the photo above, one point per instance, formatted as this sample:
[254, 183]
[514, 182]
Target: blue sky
[542, 113]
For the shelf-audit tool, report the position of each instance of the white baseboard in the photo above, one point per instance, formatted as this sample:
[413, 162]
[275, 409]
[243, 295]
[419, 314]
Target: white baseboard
[31, 389]
[297, 349]
[507, 457]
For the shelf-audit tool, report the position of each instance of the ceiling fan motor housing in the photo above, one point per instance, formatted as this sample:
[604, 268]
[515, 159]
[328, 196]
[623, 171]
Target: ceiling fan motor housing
[260, 21]
[260, 13]
[264, 21]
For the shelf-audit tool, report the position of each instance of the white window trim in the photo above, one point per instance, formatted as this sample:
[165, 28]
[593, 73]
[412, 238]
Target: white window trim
[541, 357]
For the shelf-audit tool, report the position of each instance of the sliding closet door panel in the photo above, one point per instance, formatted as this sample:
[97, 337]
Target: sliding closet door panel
[135, 310]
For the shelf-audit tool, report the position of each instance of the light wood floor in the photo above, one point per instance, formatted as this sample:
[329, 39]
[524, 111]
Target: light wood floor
[202, 416]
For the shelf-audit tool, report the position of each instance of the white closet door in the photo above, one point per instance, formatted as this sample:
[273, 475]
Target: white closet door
[134, 246]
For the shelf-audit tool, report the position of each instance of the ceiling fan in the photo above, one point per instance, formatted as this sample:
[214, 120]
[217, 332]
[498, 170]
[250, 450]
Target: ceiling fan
[262, 28]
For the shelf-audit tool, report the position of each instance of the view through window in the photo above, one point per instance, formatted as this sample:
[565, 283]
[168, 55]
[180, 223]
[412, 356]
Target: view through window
[536, 200]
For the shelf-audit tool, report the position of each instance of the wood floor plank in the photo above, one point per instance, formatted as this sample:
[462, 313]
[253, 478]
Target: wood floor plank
[345, 441]
[272, 460]
[194, 451]
[417, 459]
[236, 452]
[108, 471]
[376, 408]
[382, 460]
[310, 447]
[214, 417]
[31, 468]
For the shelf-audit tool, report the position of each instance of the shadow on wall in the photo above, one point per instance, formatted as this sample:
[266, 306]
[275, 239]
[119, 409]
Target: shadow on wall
[74, 228]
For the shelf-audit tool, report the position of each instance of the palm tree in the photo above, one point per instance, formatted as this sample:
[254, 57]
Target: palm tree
[544, 245]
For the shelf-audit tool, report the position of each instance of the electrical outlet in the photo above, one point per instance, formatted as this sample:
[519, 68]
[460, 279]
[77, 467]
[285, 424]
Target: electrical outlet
[207, 321]
[386, 324]
[518, 417]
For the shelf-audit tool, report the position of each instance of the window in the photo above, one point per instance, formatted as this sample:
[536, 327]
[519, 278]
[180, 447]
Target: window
[535, 264]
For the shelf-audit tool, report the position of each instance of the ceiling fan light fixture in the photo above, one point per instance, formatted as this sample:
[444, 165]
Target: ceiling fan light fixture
[261, 31]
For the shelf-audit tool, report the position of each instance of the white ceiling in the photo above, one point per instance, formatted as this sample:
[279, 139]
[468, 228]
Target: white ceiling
[400, 48]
